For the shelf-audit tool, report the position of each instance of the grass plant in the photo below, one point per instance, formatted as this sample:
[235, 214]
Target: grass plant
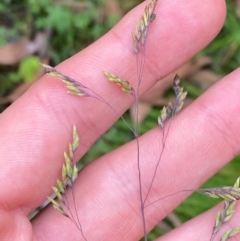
[230, 195]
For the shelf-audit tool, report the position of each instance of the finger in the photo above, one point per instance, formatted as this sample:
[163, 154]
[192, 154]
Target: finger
[201, 140]
[37, 127]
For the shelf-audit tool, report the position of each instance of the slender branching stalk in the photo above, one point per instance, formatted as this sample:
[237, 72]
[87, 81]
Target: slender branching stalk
[139, 40]
[229, 194]
[168, 112]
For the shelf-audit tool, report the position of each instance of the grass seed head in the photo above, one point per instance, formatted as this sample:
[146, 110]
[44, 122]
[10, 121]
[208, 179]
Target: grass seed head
[226, 193]
[139, 36]
[124, 84]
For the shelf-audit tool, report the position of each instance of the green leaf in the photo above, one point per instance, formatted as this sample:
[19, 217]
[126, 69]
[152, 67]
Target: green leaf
[29, 67]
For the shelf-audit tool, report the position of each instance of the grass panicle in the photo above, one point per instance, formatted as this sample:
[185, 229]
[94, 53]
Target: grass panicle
[171, 110]
[180, 95]
[139, 37]
[166, 113]
[225, 215]
[226, 193]
[140, 34]
[74, 87]
[69, 176]
[124, 84]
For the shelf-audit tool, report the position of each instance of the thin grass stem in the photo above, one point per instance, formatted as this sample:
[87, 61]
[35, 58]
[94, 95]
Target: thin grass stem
[136, 129]
[75, 208]
[139, 37]
[100, 98]
[170, 195]
[159, 160]
[71, 217]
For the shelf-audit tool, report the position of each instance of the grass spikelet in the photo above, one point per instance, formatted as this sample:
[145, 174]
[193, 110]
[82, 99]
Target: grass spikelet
[226, 193]
[58, 193]
[70, 148]
[74, 173]
[163, 117]
[166, 113]
[64, 174]
[230, 233]
[171, 110]
[73, 86]
[224, 215]
[124, 84]
[75, 90]
[140, 34]
[57, 207]
[69, 169]
[75, 143]
[60, 186]
[236, 184]
[179, 93]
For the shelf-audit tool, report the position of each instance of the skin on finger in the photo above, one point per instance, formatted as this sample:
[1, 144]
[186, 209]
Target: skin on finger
[15, 226]
[201, 140]
[200, 228]
[37, 127]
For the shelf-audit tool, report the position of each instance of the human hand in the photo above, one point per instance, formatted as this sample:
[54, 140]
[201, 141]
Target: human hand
[35, 130]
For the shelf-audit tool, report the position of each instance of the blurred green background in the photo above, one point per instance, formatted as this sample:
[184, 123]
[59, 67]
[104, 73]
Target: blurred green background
[50, 31]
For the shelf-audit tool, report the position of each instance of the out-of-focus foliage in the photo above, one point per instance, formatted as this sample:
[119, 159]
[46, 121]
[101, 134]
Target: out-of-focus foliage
[28, 68]
[72, 25]
[225, 49]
